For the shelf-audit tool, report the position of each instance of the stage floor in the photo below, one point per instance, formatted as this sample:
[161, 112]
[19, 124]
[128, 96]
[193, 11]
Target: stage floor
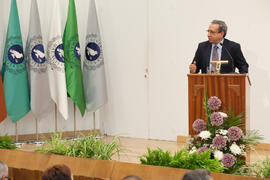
[133, 148]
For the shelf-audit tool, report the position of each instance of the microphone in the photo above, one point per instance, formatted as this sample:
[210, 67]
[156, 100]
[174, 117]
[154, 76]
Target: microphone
[229, 55]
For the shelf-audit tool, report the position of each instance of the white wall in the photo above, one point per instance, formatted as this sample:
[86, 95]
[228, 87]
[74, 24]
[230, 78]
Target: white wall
[176, 28]
[161, 35]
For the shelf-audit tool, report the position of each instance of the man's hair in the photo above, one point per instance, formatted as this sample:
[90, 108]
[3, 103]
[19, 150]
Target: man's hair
[132, 177]
[198, 174]
[222, 26]
[57, 172]
[3, 169]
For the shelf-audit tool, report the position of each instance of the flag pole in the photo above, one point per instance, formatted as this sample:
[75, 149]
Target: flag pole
[55, 117]
[16, 128]
[94, 122]
[74, 120]
[36, 129]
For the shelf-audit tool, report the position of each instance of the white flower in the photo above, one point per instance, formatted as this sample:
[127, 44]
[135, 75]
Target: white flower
[235, 149]
[223, 132]
[242, 146]
[205, 134]
[218, 154]
[193, 150]
[224, 115]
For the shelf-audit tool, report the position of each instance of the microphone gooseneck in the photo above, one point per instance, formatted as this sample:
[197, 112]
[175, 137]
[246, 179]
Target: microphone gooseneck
[233, 67]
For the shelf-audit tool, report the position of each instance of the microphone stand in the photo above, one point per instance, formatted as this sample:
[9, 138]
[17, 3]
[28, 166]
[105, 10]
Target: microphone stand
[233, 67]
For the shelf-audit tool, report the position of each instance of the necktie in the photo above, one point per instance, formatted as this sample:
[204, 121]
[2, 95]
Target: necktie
[214, 58]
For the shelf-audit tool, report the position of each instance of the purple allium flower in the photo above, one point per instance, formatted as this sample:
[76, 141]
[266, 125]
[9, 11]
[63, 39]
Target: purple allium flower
[219, 142]
[216, 119]
[202, 149]
[234, 133]
[228, 160]
[199, 125]
[214, 103]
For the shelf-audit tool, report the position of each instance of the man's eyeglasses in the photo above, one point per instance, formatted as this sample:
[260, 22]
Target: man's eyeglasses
[211, 32]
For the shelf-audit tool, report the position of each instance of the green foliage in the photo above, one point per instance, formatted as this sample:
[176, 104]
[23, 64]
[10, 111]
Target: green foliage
[234, 120]
[181, 159]
[156, 157]
[106, 151]
[54, 146]
[260, 169]
[252, 138]
[266, 168]
[207, 109]
[84, 146]
[6, 142]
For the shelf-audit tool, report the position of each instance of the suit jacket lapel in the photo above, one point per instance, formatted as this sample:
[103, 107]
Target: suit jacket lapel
[224, 54]
[208, 52]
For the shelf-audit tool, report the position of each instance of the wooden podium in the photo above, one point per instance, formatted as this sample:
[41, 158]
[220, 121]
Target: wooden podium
[231, 89]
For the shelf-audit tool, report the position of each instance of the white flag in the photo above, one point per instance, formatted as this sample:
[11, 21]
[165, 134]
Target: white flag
[56, 67]
[95, 90]
[37, 66]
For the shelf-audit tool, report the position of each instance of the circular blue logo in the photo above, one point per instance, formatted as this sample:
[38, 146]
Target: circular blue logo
[92, 51]
[59, 53]
[15, 54]
[38, 54]
[77, 51]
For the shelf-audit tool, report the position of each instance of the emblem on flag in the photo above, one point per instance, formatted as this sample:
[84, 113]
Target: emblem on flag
[36, 52]
[93, 52]
[56, 54]
[15, 54]
[73, 52]
[59, 53]
[77, 51]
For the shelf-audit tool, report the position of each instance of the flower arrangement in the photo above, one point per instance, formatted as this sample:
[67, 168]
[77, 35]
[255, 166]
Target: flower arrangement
[223, 136]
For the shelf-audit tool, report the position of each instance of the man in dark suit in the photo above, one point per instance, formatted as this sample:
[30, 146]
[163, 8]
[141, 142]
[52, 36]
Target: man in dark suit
[218, 48]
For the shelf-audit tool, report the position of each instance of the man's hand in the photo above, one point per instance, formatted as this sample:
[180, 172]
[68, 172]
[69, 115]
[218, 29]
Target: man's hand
[193, 67]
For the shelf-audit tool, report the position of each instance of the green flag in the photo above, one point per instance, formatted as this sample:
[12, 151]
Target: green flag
[14, 73]
[73, 59]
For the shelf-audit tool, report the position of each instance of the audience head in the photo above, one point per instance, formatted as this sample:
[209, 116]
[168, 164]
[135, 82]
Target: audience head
[132, 177]
[3, 171]
[57, 172]
[198, 174]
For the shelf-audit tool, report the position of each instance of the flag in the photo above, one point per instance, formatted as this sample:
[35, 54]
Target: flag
[14, 73]
[73, 59]
[93, 65]
[56, 66]
[37, 66]
[3, 111]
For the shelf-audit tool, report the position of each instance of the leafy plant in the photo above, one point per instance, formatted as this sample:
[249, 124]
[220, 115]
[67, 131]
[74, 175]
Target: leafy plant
[6, 142]
[156, 157]
[182, 159]
[83, 146]
[106, 151]
[260, 169]
[54, 146]
[91, 147]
